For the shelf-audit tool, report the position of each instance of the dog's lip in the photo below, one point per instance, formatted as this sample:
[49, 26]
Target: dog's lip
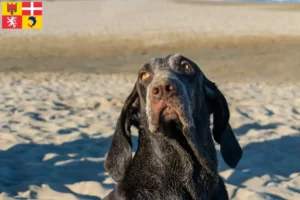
[167, 113]
[165, 107]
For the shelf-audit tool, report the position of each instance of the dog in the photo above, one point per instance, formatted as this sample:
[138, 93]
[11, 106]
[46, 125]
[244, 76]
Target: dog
[170, 105]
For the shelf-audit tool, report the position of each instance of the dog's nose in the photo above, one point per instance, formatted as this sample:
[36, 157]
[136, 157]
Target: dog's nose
[163, 89]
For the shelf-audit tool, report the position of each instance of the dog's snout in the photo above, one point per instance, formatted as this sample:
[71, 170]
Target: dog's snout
[163, 89]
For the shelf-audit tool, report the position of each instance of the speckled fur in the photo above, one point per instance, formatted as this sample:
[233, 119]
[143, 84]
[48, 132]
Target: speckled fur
[175, 160]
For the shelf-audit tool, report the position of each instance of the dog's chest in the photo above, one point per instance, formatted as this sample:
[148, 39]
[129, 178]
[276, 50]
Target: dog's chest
[172, 163]
[164, 167]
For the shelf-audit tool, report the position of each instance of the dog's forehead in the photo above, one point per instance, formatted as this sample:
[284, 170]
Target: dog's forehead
[162, 63]
[173, 58]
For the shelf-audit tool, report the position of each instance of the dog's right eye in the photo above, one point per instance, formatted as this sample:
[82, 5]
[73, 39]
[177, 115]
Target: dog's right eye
[144, 75]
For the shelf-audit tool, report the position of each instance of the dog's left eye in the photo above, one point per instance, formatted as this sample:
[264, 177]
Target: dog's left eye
[187, 67]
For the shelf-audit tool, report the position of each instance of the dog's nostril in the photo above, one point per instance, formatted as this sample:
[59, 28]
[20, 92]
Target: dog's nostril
[155, 90]
[169, 88]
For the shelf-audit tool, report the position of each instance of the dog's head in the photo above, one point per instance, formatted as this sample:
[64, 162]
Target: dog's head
[171, 91]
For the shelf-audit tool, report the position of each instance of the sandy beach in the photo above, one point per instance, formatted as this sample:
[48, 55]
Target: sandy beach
[242, 40]
[62, 89]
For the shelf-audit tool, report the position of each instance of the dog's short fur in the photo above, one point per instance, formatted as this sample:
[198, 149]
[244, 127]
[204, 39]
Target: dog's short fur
[171, 104]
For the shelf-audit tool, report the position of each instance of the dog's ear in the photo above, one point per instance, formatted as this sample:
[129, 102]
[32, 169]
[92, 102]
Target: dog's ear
[222, 132]
[119, 155]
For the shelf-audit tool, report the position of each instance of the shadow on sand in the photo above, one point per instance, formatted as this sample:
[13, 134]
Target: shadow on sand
[82, 160]
[270, 158]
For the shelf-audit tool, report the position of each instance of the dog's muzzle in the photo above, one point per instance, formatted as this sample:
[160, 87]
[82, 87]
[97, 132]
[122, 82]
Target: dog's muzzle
[166, 100]
[163, 94]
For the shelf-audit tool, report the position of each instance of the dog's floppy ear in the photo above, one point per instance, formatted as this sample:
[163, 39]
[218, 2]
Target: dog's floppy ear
[119, 155]
[222, 132]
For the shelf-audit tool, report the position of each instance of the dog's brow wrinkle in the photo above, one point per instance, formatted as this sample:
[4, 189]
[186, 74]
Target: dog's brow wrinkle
[160, 63]
[173, 58]
[176, 55]
[160, 74]
[152, 62]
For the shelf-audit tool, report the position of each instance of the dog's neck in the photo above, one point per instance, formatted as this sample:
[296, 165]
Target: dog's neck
[172, 160]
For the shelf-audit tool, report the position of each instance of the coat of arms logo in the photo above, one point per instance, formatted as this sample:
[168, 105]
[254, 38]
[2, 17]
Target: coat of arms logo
[11, 8]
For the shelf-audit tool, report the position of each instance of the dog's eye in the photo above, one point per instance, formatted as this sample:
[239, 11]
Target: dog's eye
[187, 67]
[144, 76]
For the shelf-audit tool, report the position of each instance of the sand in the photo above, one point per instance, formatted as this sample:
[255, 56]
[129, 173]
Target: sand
[62, 89]
[242, 40]
[56, 130]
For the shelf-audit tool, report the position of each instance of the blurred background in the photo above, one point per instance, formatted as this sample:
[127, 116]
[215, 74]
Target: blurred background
[62, 88]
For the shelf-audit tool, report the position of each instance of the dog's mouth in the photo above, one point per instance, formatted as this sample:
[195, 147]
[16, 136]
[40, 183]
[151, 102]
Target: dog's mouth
[166, 111]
